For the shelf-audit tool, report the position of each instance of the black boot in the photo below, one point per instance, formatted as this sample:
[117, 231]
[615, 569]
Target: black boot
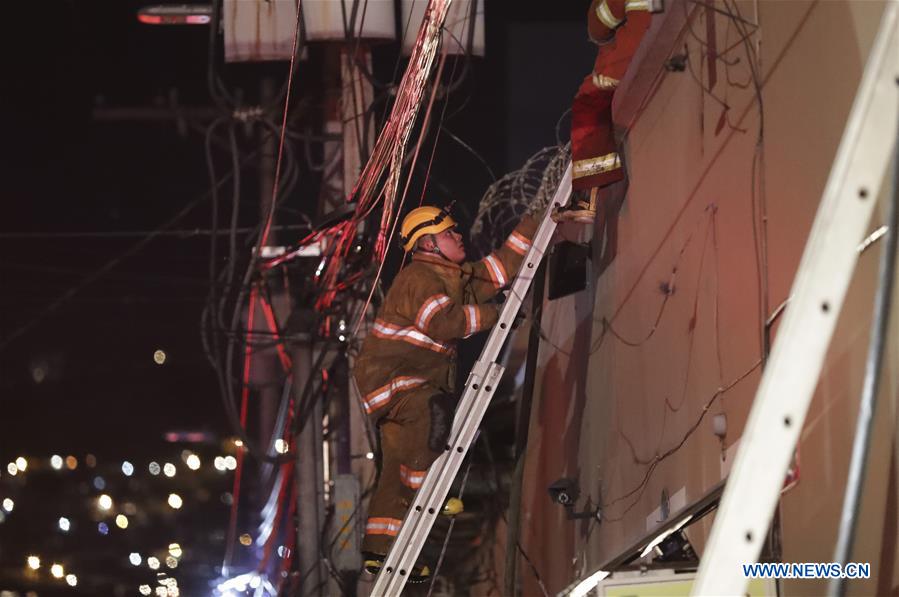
[581, 208]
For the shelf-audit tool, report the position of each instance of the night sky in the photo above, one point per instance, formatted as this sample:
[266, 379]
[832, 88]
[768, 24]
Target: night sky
[77, 375]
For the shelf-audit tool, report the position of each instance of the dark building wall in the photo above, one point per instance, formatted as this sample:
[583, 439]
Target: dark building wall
[630, 364]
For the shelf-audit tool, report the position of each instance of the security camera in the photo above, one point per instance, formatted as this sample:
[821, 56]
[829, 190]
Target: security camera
[564, 491]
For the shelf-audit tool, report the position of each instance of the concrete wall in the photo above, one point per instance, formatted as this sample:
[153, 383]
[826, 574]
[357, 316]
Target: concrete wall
[671, 332]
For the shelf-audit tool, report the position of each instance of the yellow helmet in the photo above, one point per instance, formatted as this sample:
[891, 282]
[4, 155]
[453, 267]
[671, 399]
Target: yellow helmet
[421, 221]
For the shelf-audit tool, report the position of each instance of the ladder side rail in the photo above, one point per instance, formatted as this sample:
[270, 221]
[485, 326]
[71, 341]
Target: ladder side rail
[425, 507]
[473, 404]
[789, 380]
[527, 271]
[424, 512]
[520, 286]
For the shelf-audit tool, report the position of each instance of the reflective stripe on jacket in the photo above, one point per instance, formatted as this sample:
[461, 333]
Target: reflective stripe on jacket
[605, 16]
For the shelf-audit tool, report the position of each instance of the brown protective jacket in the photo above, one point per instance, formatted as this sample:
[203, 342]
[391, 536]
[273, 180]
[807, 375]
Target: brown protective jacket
[431, 304]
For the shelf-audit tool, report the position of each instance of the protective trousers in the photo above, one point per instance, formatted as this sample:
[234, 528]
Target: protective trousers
[414, 431]
[593, 148]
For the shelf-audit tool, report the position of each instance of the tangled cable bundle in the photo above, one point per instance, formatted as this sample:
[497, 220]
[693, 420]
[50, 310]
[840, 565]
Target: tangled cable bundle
[380, 178]
[526, 190]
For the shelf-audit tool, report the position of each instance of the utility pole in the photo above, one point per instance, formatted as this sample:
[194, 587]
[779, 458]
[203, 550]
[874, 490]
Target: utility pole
[356, 98]
[309, 476]
[268, 374]
[348, 97]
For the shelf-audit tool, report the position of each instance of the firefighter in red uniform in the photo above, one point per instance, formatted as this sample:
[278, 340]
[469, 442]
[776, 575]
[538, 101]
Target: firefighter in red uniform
[617, 26]
[406, 368]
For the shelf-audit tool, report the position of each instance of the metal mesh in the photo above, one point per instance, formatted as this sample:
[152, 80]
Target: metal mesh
[526, 190]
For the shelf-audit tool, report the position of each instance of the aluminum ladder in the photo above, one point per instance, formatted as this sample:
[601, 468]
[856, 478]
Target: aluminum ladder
[479, 388]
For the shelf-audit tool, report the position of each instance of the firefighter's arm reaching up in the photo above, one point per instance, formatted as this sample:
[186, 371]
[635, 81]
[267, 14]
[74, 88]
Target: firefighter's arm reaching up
[497, 270]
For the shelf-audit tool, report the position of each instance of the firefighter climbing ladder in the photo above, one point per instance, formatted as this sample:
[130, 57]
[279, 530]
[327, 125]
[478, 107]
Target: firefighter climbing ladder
[479, 388]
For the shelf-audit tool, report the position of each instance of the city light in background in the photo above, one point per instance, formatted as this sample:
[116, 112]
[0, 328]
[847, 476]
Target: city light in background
[138, 482]
[126, 509]
[159, 357]
[104, 502]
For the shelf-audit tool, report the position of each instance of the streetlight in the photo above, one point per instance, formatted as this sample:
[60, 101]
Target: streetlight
[184, 14]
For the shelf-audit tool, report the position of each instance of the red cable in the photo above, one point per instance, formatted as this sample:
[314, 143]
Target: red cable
[244, 399]
[273, 328]
[383, 256]
[263, 239]
[308, 240]
[390, 143]
[287, 467]
[387, 153]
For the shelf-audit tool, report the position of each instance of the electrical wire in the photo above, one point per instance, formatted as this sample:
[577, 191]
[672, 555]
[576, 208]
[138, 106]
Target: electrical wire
[449, 532]
[505, 201]
[115, 261]
[387, 155]
[659, 458]
[217, 90]
[235, 492]
[288, 178]
[757, 178]
[354, 60]
[470, 150]
[181, 233]
[289, 172]
[342, 234]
